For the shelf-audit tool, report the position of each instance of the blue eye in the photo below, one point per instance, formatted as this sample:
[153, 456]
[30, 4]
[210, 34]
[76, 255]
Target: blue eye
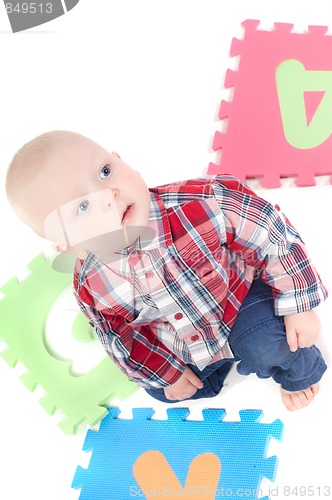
[105, 171]
[83, 206]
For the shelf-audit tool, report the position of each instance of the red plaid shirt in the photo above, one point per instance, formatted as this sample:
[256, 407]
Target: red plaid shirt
[172, 301]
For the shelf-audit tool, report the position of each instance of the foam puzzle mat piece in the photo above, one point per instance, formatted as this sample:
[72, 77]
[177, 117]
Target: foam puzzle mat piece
[23, 312]
[177, 457]
[279, 122]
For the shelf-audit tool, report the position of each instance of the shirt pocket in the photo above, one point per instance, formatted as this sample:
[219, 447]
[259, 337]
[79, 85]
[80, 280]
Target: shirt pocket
[123, 307]
[135, 319]
[215, 282]
[145, 316]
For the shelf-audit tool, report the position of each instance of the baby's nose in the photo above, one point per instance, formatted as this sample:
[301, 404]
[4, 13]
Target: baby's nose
[111, 195]
[115, 192]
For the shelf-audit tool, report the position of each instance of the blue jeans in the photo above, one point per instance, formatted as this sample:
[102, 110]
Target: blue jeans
[258, 341]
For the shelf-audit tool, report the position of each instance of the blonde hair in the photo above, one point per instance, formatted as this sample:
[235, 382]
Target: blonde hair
[25, 166]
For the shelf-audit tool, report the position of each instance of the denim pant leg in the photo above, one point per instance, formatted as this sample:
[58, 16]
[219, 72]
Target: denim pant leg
[258, 340]
[213, 377]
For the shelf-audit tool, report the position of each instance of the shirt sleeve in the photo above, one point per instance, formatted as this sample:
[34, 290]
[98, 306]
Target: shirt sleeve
[136, 351]
[260, 235]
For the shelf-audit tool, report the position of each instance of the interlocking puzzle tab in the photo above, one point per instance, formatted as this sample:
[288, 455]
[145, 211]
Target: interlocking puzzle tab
[279, 120]
[23, 313]
[150, 458]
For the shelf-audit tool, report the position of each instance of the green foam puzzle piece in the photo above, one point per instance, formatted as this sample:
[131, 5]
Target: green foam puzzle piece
[81, 329]
[23, 313]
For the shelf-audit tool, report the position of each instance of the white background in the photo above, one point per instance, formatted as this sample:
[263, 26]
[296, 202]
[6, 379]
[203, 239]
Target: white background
[145, 78]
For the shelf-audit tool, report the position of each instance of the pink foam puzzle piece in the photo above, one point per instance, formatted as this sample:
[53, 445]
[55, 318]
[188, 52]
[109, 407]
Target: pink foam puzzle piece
[279, 122]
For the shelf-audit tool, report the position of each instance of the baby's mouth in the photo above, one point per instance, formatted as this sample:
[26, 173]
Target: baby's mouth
[128, 213]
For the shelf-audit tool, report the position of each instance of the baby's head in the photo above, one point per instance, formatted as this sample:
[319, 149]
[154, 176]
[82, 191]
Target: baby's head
[76, 194]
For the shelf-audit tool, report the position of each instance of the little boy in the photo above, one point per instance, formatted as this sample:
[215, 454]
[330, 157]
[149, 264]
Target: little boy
[181, 280]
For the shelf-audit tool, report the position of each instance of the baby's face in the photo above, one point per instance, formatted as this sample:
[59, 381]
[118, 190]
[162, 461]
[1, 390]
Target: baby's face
[93, 200]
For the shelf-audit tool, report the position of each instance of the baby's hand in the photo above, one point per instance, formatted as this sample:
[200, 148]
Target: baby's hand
[302, 329]
[184, 387]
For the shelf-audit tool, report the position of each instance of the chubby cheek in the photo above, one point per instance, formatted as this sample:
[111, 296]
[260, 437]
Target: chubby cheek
[91, 226]
[146, 206]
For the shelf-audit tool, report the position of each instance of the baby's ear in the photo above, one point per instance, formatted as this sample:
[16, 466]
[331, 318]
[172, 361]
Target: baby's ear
[59, 246]
[76, 251]
[116, 154]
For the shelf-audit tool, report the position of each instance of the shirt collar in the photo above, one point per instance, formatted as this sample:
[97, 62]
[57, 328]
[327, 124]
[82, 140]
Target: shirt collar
[158, 221]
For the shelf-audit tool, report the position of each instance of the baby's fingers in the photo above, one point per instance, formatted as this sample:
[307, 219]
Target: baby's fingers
[194, 380]
[305, 341]
[292, 339]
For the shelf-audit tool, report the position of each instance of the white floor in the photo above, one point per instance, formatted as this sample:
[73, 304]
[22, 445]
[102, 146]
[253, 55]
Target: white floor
[146, 78]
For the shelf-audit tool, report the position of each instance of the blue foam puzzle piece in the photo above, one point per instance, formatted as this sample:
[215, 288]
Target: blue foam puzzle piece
[240, 446]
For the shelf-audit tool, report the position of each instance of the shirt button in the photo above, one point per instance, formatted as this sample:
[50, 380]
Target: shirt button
[134, 258]
[194, 338]
[149, 274]
[277, 207]
[178, 316]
